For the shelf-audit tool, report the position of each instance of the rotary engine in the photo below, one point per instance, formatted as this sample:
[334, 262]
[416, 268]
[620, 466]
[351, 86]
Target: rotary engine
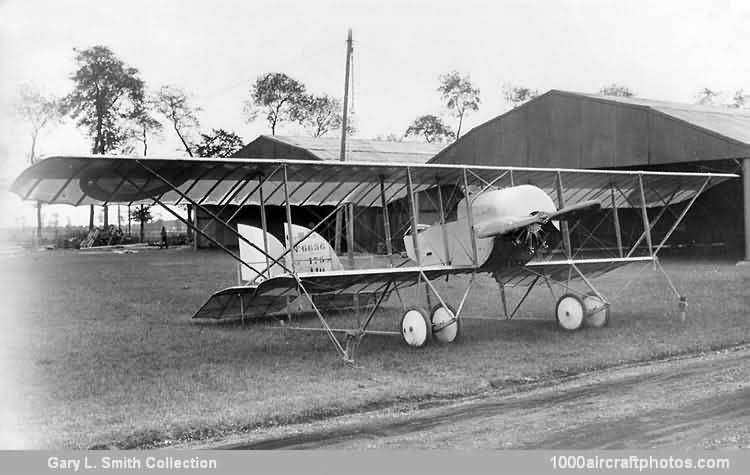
[527, 241]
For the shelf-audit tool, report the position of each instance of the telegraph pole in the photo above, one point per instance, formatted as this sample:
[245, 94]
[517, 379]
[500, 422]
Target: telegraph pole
[349, 50]
[342, 157]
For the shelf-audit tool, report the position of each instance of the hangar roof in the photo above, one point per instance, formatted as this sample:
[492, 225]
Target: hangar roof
[731, 123]
[578, 130]
[328, 148]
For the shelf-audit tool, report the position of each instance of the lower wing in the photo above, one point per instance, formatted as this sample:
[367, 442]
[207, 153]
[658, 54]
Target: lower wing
[335, 289]
[563, 269]
[330, 289]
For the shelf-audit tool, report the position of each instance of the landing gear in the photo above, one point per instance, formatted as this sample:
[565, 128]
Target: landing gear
[416, 329]
[569, 312]
[572, 311]
[445, 326]
[596, 311]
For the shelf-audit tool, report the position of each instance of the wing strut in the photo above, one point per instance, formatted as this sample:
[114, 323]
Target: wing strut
[190, 225]
[386, 222]
[564, 224]
[682, 216]
[470, 221]
[210, 213]
[573, 265]
[653, 223]
[443, 229]
[616, 220]
[263, 223]
[258, 187]
[288, 209]
[644, 215]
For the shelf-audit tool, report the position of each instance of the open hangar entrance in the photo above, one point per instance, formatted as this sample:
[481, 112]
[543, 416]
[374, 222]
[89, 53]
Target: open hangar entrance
[571, 130]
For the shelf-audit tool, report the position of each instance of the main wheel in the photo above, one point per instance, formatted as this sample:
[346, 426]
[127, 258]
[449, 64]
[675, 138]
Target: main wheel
[416, 329]
[569, 311]
[597, 312]
[445, 326]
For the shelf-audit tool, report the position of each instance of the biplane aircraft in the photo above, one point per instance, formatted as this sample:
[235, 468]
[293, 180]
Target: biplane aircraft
[514, 223]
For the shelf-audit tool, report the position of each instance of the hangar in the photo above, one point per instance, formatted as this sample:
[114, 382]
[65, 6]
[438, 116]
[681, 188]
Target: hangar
[328, 148]
[562, 129]
[369, 222]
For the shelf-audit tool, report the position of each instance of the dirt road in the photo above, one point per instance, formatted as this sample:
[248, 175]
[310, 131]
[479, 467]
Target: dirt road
[689, 402]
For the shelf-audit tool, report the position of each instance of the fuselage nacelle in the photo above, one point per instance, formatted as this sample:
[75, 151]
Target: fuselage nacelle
[502, 230]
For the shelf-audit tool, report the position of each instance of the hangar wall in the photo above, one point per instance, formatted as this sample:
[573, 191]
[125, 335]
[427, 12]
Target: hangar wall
[569, 130]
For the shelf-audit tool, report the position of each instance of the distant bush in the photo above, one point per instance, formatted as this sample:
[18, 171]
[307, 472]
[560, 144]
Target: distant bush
[68, 239]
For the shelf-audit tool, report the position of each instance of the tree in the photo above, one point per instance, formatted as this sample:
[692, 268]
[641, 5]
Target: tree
[142, 214]
[740, 99]
[517, 95]
[219, 143]
[278, 96]
[706, 96]
[104, 93]
[459, 96]
[174, 104]
[616, 90]
[38, 112]
[143, 123]
[320, 114]
[714, 97]
[431, 128]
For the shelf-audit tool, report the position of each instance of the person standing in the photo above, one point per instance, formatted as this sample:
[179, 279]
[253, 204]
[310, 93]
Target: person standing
[163, 242]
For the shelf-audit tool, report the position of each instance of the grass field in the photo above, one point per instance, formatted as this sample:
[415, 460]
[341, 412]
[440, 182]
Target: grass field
[98, 349]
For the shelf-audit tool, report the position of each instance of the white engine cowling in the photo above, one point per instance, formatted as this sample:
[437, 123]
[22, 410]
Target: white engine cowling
[514, 202]
[492, 211]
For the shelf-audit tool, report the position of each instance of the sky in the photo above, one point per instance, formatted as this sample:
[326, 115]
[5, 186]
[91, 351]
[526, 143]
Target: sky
[665, 50]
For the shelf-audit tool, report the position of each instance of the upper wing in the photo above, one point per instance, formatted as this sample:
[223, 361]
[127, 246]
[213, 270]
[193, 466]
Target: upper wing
[98, 179]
